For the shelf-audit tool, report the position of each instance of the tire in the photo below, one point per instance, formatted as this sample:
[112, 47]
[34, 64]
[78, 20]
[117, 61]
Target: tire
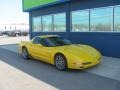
[25, 53]
[60, 62]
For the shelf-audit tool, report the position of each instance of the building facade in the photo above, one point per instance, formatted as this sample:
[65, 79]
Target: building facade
[92, 22]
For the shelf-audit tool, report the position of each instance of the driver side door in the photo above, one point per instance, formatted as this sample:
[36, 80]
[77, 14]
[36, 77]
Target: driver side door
[39, 51]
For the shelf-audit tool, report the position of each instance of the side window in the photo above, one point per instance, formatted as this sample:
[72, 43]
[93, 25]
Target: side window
[102, 19]
[60, 22]
[36, 22]
[80, 21]
[36, 40]
[47, 23]
[117, 18]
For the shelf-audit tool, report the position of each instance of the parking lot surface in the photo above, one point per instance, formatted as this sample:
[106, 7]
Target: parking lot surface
[19, 74]
[5, 40]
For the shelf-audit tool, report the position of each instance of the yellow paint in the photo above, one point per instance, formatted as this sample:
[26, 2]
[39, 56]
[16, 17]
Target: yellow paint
[77, 55]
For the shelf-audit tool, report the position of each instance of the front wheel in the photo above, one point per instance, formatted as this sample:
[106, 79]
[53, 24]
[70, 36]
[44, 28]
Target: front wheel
[60, 62]
[25, 53]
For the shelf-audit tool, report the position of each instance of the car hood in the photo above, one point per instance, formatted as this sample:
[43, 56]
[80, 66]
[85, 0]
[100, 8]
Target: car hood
[82, 51]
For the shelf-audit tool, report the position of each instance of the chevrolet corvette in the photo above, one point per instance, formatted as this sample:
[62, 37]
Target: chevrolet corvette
[60, 52]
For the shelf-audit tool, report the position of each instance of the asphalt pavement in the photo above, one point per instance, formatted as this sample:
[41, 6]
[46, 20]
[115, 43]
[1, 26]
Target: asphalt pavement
[19, 74]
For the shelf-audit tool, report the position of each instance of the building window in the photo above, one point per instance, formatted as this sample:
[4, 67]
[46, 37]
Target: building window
[47, 23]
[101, 19]
[60, 22]
[117, 18]
[80, 21]
[36, 24]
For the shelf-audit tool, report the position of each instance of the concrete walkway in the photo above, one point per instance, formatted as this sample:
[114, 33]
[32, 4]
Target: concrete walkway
[109, 67]
[14, 79]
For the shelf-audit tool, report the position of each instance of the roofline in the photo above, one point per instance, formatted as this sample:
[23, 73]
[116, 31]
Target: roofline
[42, 6]
[47, 36]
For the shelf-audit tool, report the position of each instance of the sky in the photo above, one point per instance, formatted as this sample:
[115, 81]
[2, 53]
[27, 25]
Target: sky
[11, 12]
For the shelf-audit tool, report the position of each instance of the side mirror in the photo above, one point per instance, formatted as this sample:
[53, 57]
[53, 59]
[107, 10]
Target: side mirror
[40, 45]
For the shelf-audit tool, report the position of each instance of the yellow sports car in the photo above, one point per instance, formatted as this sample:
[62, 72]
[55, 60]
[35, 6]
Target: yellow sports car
[60, 52]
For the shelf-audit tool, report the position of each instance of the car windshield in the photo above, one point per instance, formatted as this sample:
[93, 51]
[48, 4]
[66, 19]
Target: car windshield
[56, 41]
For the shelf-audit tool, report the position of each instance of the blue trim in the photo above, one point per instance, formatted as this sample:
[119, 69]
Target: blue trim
[46, 5]
[108, 43]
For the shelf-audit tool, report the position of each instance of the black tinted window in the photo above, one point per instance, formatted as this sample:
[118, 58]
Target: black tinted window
[36, 40]
[56, 41]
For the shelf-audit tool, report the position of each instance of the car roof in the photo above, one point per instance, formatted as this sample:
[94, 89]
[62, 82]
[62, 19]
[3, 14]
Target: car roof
[47, 36]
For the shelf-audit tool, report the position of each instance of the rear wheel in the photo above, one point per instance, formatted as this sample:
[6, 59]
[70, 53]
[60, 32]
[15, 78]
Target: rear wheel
[25, 53]
[60, 62]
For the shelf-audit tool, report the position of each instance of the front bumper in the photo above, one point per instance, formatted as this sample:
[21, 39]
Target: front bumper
[84, 65]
